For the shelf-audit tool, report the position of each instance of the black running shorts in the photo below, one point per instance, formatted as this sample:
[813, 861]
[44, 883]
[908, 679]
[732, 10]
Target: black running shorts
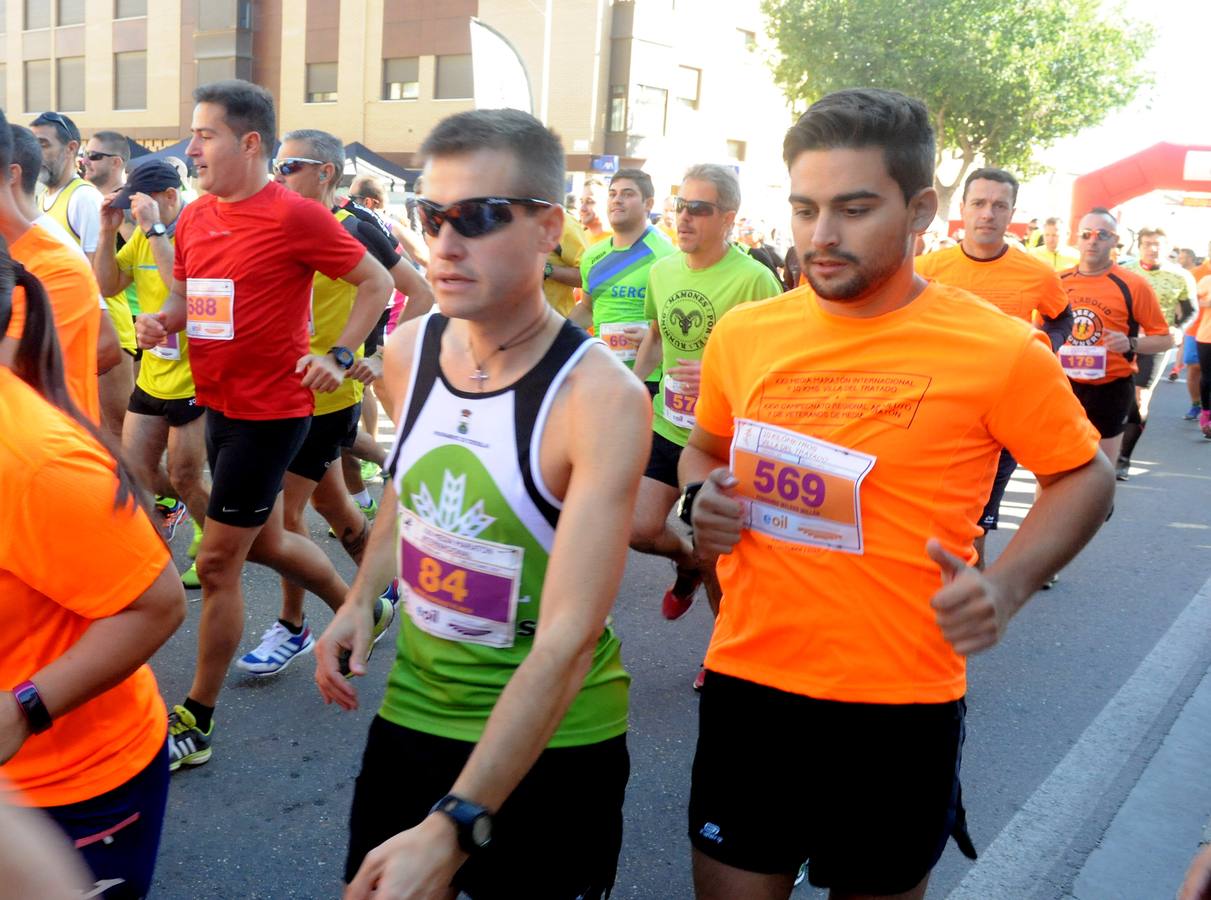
[1107, 405]
[557, 836]
[248, 459]
[1006, 466]
[662, 463]
[177, 412]
[867, 793]
[327, 435]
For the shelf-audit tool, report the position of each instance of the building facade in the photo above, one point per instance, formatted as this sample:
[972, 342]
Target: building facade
[664, 83]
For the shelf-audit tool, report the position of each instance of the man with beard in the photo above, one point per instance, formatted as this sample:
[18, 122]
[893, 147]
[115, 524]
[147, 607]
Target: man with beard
[846, 435]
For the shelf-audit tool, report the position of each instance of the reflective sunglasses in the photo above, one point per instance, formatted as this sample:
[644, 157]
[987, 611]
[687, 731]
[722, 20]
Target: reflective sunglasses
[474, 217]
[697, 207]
[1100, 233]
[292, 164]
[97, 155]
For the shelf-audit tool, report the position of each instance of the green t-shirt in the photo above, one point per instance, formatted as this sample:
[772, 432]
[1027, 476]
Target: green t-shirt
[686, 303]
[617, 280]
[1170, 283]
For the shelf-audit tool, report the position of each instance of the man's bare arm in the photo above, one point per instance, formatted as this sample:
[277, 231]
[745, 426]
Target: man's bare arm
[569, 275]
[650, 351]
[409, 282]
[373, 291]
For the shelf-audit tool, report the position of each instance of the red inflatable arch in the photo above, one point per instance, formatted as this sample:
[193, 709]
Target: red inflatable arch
[1160, 167]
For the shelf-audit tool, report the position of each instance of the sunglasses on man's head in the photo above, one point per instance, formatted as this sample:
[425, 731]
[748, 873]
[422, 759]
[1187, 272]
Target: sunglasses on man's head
[59, 122]
[474, 217]
[97, 155]
[292, 164]
[697, 207]
[1100, 233]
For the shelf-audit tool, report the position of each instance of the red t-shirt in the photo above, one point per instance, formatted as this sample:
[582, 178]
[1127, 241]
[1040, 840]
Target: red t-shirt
[248, 268]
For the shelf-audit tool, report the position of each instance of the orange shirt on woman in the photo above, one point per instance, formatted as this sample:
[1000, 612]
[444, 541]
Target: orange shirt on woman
[52, 589]
[921, 399]
[75, 306]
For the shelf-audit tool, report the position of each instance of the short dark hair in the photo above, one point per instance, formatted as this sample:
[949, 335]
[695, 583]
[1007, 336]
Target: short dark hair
[1102, 211]
[246, 107]
[539, 154]
[1052, 220]
[6, 142]
[870, 117]
[1149, 232]
[367, 186]
[642, 180]
[991, 173]
[114, 143]
[27, 153]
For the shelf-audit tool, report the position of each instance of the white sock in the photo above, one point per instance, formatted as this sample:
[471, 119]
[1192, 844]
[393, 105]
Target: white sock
[363, 499]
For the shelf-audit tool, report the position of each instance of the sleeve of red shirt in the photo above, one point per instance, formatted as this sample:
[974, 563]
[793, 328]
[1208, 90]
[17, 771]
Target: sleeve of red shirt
[1037, 418]
[713, 411]
[1147, 309]
[317, 238]
[103, 574]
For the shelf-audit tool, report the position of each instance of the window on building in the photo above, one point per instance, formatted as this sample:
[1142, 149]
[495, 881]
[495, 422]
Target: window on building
[69, 83]
[747, 39]
[618, 108]
[130, 80]
[216, 69]
[37, 85]
[70, 12]
[736, 150]
[128, 9]
[3, 80]
[224, 16]
[3, 16]
[649, 106]
[37, 15]
[689, 83]
[455, 80]
[321, 82]
[401, 78]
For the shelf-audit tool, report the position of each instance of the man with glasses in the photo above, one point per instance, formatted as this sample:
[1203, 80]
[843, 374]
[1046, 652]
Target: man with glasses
[1010, 279]
[245, 258]
[615, 271]
[1176, 293]
[687, 294]
[506, 709]
[1111, 306]
[309, 163]
[68, 199]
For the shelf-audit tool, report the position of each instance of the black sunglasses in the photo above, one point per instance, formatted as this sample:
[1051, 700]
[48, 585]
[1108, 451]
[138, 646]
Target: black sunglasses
[697, 207]
[1100, 233]
[474, 217]
[97, 155]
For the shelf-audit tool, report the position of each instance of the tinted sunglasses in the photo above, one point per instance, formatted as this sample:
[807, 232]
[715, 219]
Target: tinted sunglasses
[474, 217]
[697, 207]
[292, 164]
[97, 155]
[1100, 233]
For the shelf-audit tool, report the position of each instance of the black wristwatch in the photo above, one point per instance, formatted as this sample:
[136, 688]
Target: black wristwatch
[343, 356]
[474, 823]
[547, 271]
[35, 711]
[685, 504]
[156, 230]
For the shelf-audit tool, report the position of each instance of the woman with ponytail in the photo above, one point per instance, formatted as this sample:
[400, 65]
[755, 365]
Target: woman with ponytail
[82, 725]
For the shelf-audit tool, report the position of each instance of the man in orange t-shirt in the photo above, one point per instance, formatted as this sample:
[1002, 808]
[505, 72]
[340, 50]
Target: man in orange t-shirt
[1014, 281]
[1111, 306]
[837, 471]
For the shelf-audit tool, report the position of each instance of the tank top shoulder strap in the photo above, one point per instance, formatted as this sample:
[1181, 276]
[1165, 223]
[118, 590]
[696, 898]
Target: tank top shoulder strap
[426, 363]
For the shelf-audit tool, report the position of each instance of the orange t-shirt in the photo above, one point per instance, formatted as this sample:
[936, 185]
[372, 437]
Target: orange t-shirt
[1099, 304]
[1201, 329]
[931, 391]
[52, 589]
[75, 305]
[1015, 282]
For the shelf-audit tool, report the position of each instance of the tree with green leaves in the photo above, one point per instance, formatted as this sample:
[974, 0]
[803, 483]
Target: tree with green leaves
[1002, 78]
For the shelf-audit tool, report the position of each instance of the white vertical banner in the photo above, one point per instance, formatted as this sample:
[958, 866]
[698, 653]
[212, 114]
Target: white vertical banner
[501, 79]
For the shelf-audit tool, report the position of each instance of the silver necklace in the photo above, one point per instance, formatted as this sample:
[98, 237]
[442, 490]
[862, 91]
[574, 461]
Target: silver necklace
[479, 376]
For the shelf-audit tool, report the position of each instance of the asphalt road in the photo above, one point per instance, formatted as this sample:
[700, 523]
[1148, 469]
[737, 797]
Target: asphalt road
[266, 818]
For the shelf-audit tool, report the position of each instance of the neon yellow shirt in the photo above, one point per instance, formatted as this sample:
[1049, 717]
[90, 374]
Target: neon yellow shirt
[164, 371]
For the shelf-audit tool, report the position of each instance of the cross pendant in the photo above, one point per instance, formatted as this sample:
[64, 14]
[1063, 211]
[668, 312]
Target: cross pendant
[480, 376]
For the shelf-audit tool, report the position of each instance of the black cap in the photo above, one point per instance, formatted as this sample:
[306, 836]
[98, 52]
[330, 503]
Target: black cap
[151, 177]
[66, 126]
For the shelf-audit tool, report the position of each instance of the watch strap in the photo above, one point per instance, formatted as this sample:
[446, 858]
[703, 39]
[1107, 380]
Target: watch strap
[464, 814]
[685, 505]
[32, 707]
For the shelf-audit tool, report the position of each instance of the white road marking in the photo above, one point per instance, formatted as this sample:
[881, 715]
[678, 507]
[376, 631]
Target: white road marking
[1037, 837]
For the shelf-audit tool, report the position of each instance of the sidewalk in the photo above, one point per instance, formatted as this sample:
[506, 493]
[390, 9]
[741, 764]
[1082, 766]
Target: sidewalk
[1156, 832]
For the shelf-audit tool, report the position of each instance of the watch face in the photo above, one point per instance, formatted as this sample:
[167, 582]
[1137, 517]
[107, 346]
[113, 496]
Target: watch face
[481, 831]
